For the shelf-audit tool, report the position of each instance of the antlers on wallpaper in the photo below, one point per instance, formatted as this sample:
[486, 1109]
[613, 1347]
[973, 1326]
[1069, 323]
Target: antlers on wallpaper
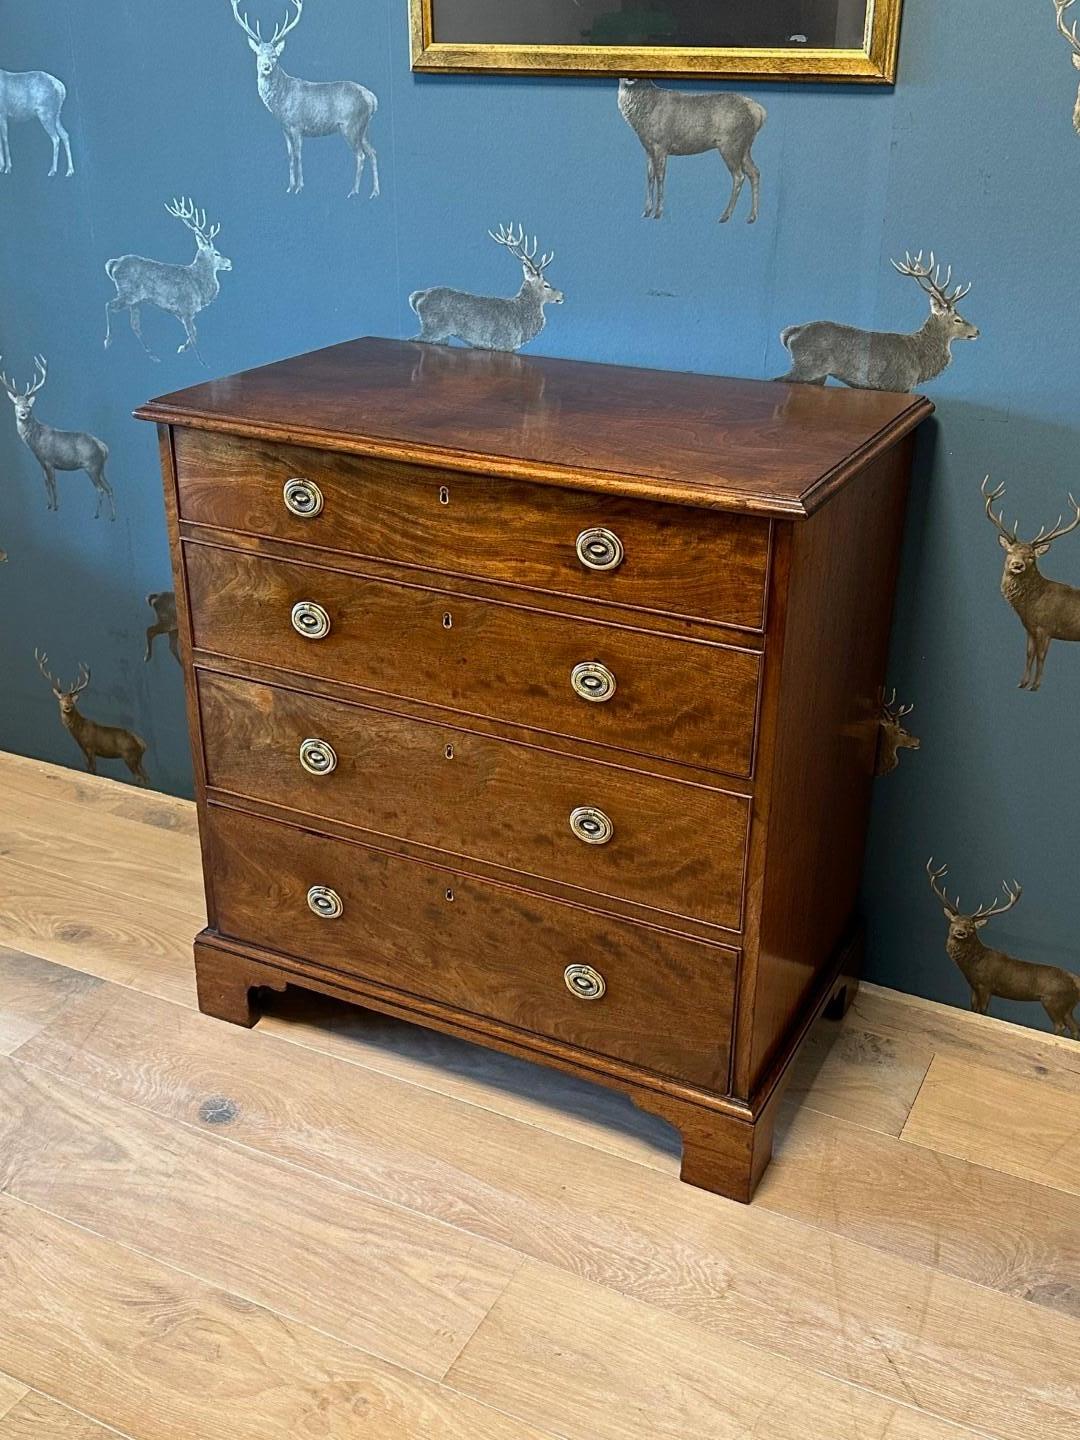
[992, 972]
[182, 290]
[304, 108]
[490, 322]
[58, 449]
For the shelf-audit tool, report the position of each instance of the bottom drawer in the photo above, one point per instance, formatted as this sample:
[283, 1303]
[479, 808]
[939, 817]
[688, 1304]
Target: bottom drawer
[667, 1000]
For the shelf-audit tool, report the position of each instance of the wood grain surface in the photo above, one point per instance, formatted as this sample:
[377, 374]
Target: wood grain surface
[1022, 1126]
[675, 848]
[685, 700]
[704, 440]
[907, 1331]
[676, 562]
[488, 949]
[877, 1287]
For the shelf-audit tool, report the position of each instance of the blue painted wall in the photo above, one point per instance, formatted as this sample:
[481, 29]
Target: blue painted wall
[972, 154]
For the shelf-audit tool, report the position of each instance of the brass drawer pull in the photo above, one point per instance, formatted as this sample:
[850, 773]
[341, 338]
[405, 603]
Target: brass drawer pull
[592, 681]
[583, 982]
[591, 825]
[318, 757]
[303, 498]
[600, 549]
[310, 620]
[324, 902]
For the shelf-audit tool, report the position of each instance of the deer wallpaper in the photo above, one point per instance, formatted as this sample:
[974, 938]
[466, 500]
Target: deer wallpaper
[205, 218]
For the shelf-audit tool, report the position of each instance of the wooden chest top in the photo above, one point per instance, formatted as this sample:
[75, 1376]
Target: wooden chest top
[760, 446]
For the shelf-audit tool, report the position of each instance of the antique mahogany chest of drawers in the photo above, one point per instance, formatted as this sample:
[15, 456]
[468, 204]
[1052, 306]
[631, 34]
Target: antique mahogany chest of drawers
[536, 701]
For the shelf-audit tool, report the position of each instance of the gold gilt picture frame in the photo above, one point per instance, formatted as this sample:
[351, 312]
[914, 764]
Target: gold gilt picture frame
[851, 41]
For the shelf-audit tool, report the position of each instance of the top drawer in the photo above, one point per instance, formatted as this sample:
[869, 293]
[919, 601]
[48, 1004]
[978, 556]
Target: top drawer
[674, 560]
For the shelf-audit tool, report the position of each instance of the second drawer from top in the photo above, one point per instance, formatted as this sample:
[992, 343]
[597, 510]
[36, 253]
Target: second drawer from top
[670, 846]
[670, 559]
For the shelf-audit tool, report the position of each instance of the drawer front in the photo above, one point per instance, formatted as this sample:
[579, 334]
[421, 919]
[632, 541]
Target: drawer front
[497, 952]
[683, 700]
[674, 560]
[674, 847]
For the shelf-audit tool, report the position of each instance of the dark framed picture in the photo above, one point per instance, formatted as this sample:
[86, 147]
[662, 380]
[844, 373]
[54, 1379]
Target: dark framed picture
[843, 40]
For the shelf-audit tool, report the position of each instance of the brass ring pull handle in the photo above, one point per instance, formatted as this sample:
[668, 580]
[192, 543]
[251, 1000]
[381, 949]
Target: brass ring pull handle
[318, 757]
[592, 681]
[600, 549]
[324, 902]
[583, 982]
[303, 498]
[591, 825]
[310, 620]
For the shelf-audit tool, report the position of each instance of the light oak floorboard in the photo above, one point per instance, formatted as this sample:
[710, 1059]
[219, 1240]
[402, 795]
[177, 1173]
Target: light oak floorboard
[948, 1213]
[963, 1035]
[562, 1353]
[59, 919]
[859, 1074]
[387, 1280]
[11, 1392]
[104, 852]
[912, 1334]
[36, 778]
[163, 1356]
[32, 993]
[1006, 1122]
[39, 1418]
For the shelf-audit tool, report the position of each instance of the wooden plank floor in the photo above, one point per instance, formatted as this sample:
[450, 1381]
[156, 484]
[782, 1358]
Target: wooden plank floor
[338, 1225]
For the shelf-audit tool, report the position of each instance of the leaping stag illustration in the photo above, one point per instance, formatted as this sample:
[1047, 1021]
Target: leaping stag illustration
[308, 108]
[33, 95]
[490, 322]
[1069, 32]
[882, 359]
[96, 741]
[992, 972]
[182, 290]
[671, 122]
[58, 449]
[1048, 609]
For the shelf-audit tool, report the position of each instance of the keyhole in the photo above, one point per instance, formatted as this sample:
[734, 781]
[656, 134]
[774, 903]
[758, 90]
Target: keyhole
[449, 752]
[449, 894]
[444, 495]
[448, 621]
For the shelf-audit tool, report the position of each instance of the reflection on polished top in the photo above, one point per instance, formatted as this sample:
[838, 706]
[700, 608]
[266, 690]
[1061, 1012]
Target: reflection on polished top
[753, 445]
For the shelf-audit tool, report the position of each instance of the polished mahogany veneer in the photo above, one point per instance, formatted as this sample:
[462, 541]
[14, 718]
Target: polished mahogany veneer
[536, 701]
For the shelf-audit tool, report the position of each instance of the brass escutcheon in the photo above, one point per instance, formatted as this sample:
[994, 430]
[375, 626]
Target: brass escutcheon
[324, 902]
[592, 681]
[318, 757]
[583, 982]
[303, 498]
[591, 825]
[600, 549]
[310, 620]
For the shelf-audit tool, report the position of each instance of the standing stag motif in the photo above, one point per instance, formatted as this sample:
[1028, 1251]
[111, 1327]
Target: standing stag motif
[1070, 34]
[58, 449]
[485, 321]
[33, 95]
[163, 604]
[882, 359]
[670, 122]
[992, 972]
[892, 736]
[97, 742]
[1048, 610]
[306, 108]
[182, 290]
